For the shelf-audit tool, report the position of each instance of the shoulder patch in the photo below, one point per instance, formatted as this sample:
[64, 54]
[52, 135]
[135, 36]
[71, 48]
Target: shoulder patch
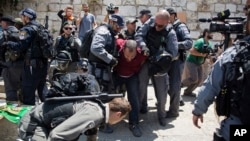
[22, 35]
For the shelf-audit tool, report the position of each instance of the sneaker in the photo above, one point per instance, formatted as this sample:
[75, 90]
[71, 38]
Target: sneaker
[182, 103]
[171, 115]
[189, 94]
[162, 122]
[106, 129]
[135, 129]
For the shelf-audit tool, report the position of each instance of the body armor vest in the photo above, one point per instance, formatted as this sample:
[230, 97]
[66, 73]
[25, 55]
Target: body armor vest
[68, 44]
[155, 39]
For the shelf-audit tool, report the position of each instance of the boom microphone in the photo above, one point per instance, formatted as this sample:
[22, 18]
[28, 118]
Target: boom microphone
[204, 20]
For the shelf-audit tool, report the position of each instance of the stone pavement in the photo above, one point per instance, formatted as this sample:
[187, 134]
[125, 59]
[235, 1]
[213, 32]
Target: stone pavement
[179, 129]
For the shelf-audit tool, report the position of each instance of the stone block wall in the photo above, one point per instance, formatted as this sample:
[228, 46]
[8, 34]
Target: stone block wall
[194, 10]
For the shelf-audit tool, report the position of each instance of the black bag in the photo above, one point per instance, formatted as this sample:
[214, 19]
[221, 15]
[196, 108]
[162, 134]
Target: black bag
[86, 43]
[234, 98]
[73, 84]
[44, 40]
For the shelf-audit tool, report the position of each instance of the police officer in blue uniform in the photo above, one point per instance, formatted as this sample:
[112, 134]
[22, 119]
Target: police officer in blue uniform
[153, 37]
[184, 43]
[35, 65]
[222, 81]
[12, 61]
[103, 55]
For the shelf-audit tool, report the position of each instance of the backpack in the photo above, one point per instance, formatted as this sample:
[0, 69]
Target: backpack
[73, 84]
[86, 43]
[44, 40]
[234, 97]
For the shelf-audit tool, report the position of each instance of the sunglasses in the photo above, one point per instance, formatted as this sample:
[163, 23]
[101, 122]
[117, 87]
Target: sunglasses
[159, 26]
[67, 28]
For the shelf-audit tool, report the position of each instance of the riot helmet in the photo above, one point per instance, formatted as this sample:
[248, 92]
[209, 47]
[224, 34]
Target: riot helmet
[83, 64]
[160, 62]
[29, 13]
[63, 59]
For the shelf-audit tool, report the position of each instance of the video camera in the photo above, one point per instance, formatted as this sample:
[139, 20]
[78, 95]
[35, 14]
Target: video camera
[226, 25]
[110, 8]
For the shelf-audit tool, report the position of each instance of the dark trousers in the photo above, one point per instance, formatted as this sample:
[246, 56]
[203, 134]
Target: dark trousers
[12, 79]
[33, 78]
[132, 87]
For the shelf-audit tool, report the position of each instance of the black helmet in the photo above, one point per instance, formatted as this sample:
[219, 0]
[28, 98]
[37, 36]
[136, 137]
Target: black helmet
[83, 63]
[29, 13]
[63, 59]
[63, 56]
[160, 62]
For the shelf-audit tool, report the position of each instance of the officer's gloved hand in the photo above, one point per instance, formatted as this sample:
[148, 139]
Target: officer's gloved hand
[145, 51]
[113, 62]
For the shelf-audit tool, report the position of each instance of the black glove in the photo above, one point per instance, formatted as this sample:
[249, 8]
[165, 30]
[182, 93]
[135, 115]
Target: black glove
[145, 51]
[113, 62]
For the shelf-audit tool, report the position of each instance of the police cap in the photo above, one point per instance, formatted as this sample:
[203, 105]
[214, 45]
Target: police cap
[8, 19]
[118, 19]
[171, 11]
[143, 12]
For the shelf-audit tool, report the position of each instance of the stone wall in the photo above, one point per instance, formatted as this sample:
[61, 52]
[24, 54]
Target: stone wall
[193, 9]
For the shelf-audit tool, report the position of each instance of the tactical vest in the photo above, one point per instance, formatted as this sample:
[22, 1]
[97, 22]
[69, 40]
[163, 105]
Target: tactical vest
[12, 34]
[69, 45]
[110, 48]
[156, 39]
[55, 112]
[234, 97]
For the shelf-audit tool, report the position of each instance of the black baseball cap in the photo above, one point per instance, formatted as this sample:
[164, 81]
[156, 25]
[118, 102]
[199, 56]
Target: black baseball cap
[171, 11]
[143, 12]
[8, 19]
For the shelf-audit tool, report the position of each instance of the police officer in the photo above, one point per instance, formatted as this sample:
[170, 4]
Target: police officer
[155, 38]
[144, 15]
[35, 65]
[222, 75]
[103, 55]
[63, 59]
[67, 120]
[12, 60]
[66, 41]
[184, 43]
[130, 30]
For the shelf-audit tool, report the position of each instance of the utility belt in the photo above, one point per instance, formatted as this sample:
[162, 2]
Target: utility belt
[35, 63]
[103, 75]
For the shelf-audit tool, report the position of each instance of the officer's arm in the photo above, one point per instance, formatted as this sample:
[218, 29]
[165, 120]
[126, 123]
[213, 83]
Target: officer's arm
[185, 42]
[59, 14]
[87, 118]
[98, 45]
[140, 35]
[25, 38]
[172, 44]
[210, 88]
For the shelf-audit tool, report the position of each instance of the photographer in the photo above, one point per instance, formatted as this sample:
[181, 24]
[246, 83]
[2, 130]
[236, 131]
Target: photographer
[111, 9]
[193, 66]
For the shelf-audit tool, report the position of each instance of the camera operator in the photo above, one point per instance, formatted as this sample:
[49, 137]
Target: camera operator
[228, 83]
[193, 66]
[111, 9]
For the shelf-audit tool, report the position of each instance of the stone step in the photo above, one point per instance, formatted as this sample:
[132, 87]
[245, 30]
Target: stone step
[2, 95]
[2, 90]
